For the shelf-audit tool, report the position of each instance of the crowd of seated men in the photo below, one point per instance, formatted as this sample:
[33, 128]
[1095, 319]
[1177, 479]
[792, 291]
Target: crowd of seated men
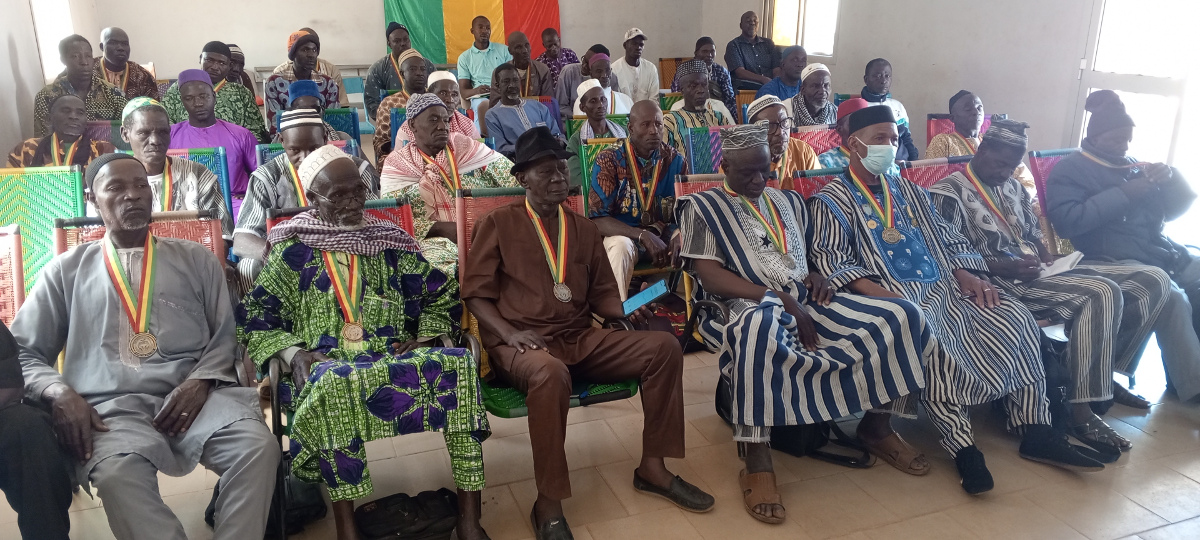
[872, 296]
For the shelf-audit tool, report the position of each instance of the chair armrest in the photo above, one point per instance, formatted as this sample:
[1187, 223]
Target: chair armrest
[714, 306]
[619, 324]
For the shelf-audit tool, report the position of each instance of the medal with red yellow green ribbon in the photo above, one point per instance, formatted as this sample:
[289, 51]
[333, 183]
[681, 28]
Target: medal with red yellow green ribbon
[137, 308]
[969, 142]
[398, 75]
[885, 212]
[555, 258]
[348, 290]
[985, 193]
[56, 149]
[770, 221]
[301, 198]
[450, 178]
[645, 194]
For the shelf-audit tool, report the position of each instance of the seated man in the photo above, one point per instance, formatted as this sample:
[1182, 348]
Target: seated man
[303, 48]
[443, 85]
[787, 326]
[275, 185]
[67, 143]
[476, 64]
[696, 110]
[632, 193]
[788, 154]
[566, 88]
[594, 103]
[513, 115]
[791, 68]
[203, 128]
[966, 111]
[289, 69]
[375, 354]
[1113, 208]
[387, 72]
[811, 105]
[102, 101]
[877, 89]
[601, 74]
[148, 386]
[113, 64]
[432, 168]
[876, 234]
[839, 158]
[536, 323]
[412, 65]
[177, 183]
[233, 103]
[34, 473]
[237, 70]
[995, 212]
[752, 59]
[720, 83]
[555, 57]
[305, 95]
[534, 75]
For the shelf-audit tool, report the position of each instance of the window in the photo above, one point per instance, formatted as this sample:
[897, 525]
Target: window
[811, 23]
[52, 22]
[1133, 31]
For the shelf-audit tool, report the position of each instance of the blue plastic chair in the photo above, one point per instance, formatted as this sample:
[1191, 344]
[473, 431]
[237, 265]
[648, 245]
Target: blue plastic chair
[267, 152]
[398, 118]
[346, 120]
[353, 85]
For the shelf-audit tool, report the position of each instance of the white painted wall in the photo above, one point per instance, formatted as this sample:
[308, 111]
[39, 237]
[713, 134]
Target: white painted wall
[20, 72]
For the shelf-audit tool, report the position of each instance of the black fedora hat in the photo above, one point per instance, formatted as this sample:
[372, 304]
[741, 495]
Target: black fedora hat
[536, 144]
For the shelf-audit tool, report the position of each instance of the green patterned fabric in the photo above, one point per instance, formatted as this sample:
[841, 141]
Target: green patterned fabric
[33, 198]
[367, 394]
[235, 104]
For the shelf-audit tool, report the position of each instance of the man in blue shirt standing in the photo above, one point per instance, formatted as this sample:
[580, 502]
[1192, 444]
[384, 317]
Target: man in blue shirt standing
[752, 59]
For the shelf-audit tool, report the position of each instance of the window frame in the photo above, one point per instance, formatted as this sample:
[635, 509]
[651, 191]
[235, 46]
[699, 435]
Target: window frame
[767, 28]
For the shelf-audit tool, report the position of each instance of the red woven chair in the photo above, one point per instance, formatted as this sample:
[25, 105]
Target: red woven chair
[927, 172]
[808, 183]
[12, 277]
[1040, 164]
[822, 138]
[937, 124]
[397, 211]
[201, 227]
[687, 184]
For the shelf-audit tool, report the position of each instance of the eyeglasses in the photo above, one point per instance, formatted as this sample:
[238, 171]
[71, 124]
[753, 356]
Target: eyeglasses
[775, 127]
[356, 198]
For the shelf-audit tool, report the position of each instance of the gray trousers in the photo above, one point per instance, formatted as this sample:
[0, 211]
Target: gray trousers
[244, 453]
[1180, 346]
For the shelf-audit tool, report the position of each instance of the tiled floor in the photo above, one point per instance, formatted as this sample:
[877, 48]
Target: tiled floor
[1152, 493]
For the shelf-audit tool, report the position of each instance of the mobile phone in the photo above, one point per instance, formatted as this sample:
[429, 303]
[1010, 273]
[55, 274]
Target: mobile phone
[649, 294]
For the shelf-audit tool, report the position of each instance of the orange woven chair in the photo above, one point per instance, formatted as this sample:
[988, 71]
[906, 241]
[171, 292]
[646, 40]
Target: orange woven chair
[822, 138]
[927, 172]
[12, 277]
[201, 227]
[1040, 164]
[666, 70]
[397, 211]
[744, 98]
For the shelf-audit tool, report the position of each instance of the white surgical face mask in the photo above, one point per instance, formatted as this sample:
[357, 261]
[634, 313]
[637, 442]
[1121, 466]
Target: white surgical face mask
[879, 158]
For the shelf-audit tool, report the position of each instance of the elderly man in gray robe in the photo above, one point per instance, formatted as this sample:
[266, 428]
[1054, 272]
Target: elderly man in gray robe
[146, 386]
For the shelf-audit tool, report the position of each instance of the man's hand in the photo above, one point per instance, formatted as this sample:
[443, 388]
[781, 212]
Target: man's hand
[1024, 269]
[182, 406]
[302, 364]
[640, 316]
[74, 421]
[1158, 172]
[1139, 187]
[525, 339]
[819, 290]
[804, 322]
[407, 346]
[980, 290]
[655, 247]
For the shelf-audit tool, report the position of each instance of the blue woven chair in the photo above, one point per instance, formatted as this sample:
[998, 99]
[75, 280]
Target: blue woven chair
[703, 149]
[344, 120]
[398, 118]
[267, 152]
[214, 159]
[33, 198]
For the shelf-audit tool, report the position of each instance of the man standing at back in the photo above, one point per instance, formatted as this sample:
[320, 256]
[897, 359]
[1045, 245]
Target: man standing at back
[641, 76]
[476, 64]
[114, 65]
[387, 72]
[752, 59]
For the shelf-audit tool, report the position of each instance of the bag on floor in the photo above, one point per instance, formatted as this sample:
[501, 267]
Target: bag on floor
[431, 515]
[303, 504]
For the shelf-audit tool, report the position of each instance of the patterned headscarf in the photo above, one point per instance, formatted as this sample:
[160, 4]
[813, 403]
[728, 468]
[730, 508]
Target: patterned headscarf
[690, 67]
[744, 136]
[761, 104]
[1007, 132]
[140, 102]
[419, 103]
[235, 52]
[410, 53]
[297, 39]
[370, 239]
[316, 162]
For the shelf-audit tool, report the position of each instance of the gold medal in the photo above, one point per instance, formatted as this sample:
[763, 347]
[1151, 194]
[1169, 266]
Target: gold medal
[352, 332]
[143, 344]
[647, 220]
[891, 235]
[562, 292]
[789, 261]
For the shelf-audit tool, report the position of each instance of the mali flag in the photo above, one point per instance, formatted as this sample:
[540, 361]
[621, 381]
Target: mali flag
[441, 29]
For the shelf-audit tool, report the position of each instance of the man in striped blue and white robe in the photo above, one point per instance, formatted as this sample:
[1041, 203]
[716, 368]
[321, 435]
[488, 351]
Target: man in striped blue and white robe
[987, 342]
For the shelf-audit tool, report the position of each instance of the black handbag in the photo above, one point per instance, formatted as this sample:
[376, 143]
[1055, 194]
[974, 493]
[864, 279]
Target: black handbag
[431, 515]
[303, 503]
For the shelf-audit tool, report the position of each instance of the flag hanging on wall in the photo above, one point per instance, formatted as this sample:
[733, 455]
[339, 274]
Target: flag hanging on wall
[441, 29]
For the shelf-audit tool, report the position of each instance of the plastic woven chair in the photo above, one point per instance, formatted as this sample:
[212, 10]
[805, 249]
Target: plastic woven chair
[552, 104]
[267, 152]
[398, 116]
[703, 149]
[345, 120]
[353, 85]
[200, 226]
[163, 86]
[821, 138]
[591, 149]
[937, 124]
[1040, 164]
[745, 97]
[839, 98]
[214, 160]
[808, 183]
[105, 130]
[665, 101]
[576, 122]
[12, 278]
[927, 172]
[397, 211]
[687, 184]
[499, 398]
[33, 197]
[666, 71]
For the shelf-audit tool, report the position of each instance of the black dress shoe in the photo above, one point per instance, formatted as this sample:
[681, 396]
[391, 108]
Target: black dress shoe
[683, 494]
[552, 529]
[976, 478]
[1042, 444]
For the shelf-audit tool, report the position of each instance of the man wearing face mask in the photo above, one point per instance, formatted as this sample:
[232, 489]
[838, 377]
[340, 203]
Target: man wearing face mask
[876, 234]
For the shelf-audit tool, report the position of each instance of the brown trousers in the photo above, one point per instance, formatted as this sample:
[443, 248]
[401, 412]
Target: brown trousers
[654, 358]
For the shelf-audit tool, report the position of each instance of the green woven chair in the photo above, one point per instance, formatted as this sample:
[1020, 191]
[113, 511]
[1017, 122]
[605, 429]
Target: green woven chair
[591, 148]
[574, 123]
[33, 198]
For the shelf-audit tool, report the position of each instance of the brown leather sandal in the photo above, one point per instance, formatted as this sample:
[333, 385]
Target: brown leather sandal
[759, 488]
[899, 454]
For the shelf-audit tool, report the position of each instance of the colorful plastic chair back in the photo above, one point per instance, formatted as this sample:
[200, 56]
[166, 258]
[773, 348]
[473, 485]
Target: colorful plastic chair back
[576, 122]
[1040, 164]
[703, 149]
[666, 71]
[665, 101]
[822, 138]
[808, 183]
[745, 97]
[201, 227]
[927, 172]
[937, 124]
[839, 98]
[398, 118]
[106, 130]
[552, 104]
[267, 152]
[591, 149]
[163, 86]
[12, 273]
[33, 197]
[687, 184]
[214, 160]
[344, 120]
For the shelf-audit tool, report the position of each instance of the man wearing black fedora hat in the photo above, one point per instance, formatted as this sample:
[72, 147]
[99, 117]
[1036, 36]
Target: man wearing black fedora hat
[535, 300]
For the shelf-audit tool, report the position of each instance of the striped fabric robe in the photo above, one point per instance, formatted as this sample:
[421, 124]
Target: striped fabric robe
[870, 348]
[981, 354]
